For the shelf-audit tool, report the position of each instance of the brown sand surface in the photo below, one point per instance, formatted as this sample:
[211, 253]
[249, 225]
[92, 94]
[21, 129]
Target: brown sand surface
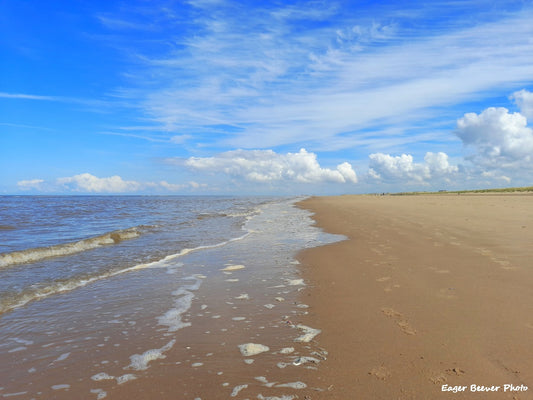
[428, 290]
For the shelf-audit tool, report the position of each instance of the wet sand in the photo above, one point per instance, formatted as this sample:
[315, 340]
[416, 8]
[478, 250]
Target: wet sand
[428, 291]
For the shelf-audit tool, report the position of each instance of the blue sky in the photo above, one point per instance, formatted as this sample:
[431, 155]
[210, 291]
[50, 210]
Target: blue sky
[243, 97]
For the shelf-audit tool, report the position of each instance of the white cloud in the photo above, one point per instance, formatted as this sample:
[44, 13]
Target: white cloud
[438, 164]
[30, 184]
[268, 166]
[500, 139]
[403, 168]
[114, 184]
[90, 183]
[524, 100]
[275, 81]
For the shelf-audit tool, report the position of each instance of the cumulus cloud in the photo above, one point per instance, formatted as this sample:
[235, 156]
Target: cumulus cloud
[269, 166]
[524, 101]
[90, 183]
[499, 138]
[403, 168]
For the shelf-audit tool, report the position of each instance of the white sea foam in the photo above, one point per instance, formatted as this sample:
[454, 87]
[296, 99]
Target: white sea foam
[125, 378]
[293, 385]
[100, 394]
[237, 389]
[102, 376]
[283, 397]
[62, 357]
[233, 268]
[14, 394]
[308, 333]
[287, 350]
[139, 362]
[295, 282]
[63, 386]
[251, 349]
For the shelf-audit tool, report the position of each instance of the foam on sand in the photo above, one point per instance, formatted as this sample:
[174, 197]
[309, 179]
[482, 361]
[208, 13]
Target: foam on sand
[295, 282]
[139, 362]
[251, 349]
[233, 268]
[308, 333]
[293, 385]
[237, 389]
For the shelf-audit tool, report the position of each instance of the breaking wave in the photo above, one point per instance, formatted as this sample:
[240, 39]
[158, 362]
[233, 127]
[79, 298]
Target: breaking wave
[39, 253]
[10, 301]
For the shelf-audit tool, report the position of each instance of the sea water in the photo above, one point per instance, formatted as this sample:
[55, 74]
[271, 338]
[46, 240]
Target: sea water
[97, 292]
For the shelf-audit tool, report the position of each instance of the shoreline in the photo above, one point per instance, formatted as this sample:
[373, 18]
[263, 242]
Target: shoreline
[430, 294]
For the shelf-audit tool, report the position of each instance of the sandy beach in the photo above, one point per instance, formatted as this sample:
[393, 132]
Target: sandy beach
[430, 297]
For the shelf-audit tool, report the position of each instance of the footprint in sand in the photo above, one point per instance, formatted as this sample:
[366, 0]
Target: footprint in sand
[448, 293]
[438, 379]
[455, 371]
[404, 325]
[390, 287]
[381, 373]
[389, 312]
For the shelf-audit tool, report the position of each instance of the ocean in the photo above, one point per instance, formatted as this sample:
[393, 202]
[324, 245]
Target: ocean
[105, 296]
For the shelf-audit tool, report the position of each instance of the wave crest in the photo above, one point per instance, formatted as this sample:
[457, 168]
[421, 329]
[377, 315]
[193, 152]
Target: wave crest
[58, 250]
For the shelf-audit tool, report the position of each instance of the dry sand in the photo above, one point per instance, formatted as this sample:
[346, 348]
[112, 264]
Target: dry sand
[428, 290]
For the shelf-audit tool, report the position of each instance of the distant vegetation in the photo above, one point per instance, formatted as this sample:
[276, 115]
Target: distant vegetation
[501, 190]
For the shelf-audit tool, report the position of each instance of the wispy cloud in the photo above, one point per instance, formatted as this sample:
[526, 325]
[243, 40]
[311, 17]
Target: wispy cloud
[28, 96]
[276, 81]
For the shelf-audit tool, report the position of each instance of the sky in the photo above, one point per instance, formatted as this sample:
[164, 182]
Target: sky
[278, 97]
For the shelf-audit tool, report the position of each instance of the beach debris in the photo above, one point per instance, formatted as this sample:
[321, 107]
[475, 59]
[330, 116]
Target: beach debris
[249, 361]
[280, 299]
[251, 349]
[269, 306]
[243, 296]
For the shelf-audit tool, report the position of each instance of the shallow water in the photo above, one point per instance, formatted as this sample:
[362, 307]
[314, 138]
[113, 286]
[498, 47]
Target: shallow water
[202, 273]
